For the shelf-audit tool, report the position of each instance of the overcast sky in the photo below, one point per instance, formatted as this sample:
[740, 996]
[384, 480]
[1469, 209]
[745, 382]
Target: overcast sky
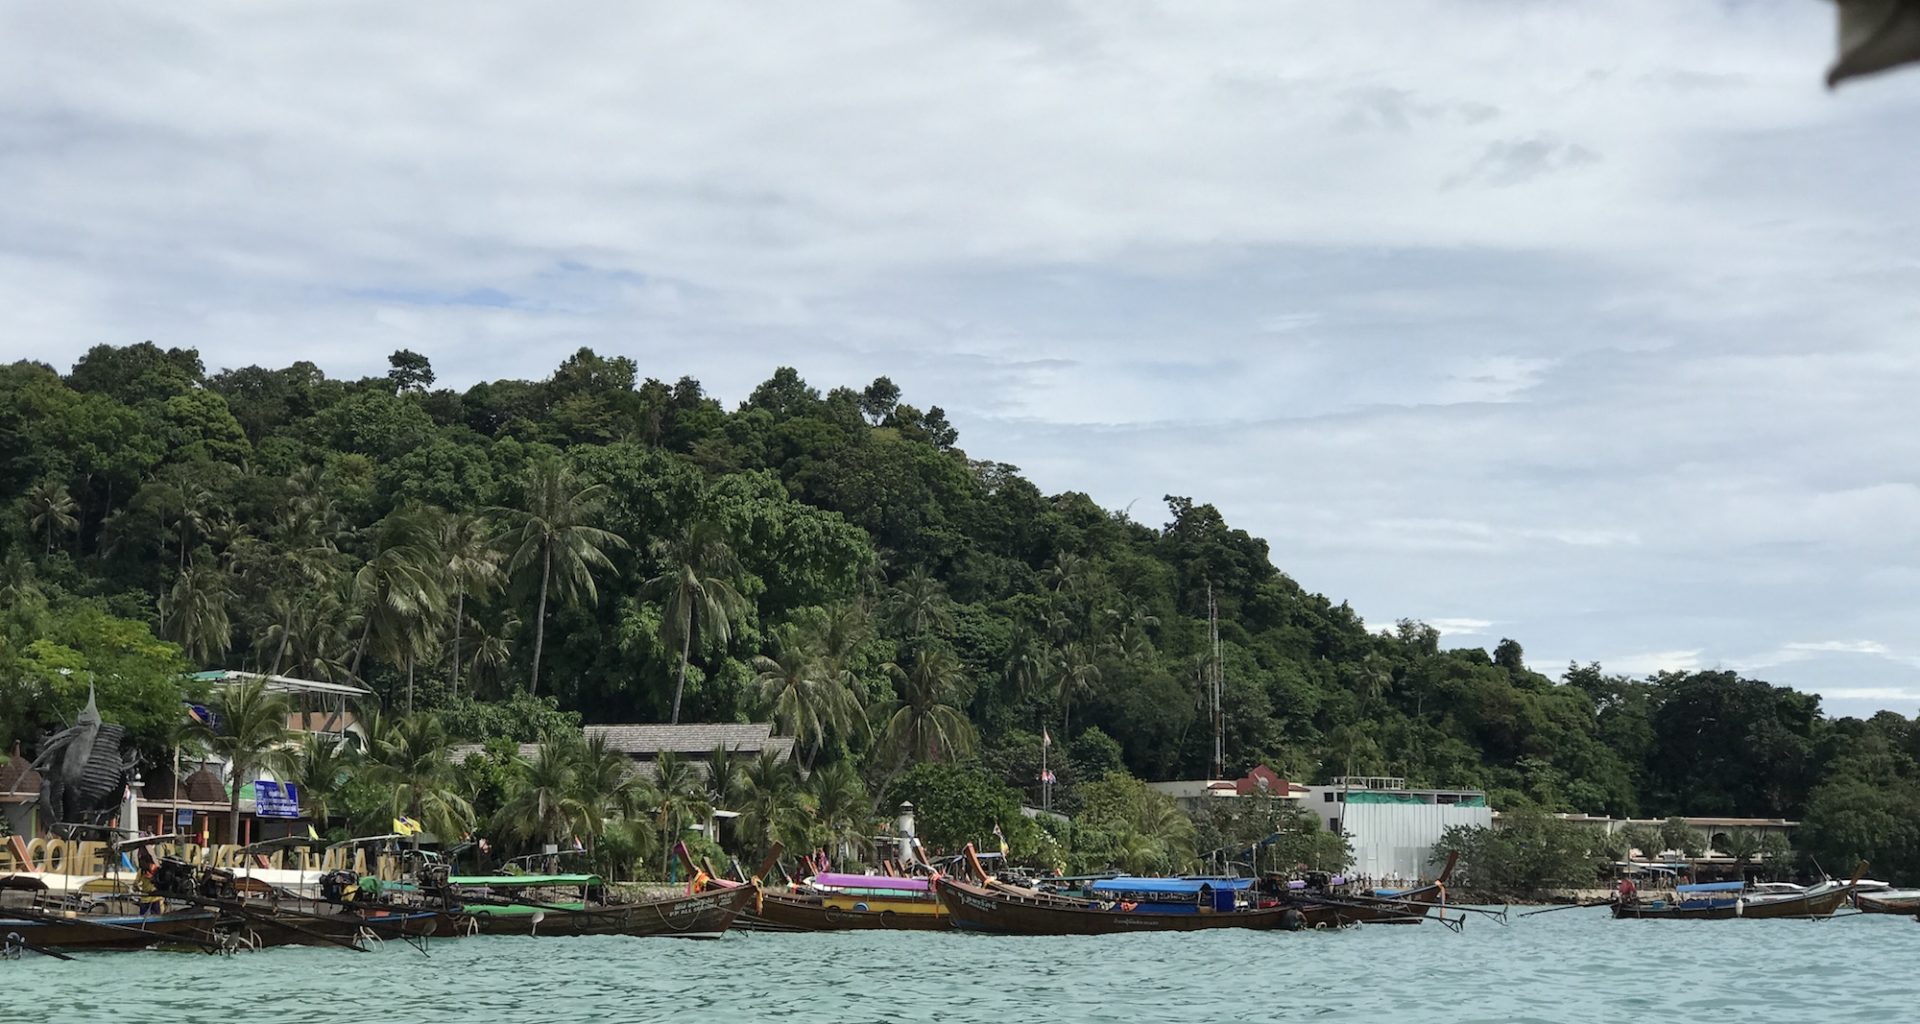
[1585, 324]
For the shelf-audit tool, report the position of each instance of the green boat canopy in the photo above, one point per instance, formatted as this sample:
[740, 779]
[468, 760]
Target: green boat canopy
[507, 881]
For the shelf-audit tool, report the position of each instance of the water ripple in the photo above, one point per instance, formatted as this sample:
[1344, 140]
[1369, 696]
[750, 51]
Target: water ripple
[1568, 968]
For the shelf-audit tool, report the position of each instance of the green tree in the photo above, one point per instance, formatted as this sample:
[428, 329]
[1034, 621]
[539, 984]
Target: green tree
[925, 723]
[471, 566]
[698, 595]
[807, 698]
[683, 800]
[543, 796]
[551, 531]
[400, 591]
[49, 509]
[320, 768]
[195, 615]
[772, 804]
[408, 760]
[251, 735]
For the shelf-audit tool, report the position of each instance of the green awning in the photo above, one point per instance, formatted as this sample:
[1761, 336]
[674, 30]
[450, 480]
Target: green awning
[507, 881]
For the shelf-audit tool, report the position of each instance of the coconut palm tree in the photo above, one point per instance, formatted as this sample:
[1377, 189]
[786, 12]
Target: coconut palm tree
[696, 585]
[543, 794]
[408, 759]
[683, 799]
[50, 508]
[607, 786]
[918, 605]
[550, 532]
[1075, 673]
[320, 766]
[842, 811]
[807, 700]
[492, 653]
[400, 591]
[724, 766]
[194, 613]
[471, 566]
[924, 723]
[773, 807]
[252, 735]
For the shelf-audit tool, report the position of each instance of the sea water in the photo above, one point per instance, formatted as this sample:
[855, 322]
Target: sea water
[1568, 966]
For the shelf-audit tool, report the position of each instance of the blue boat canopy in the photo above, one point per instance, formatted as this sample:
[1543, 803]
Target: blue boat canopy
[1170, 886]
[1711, 887]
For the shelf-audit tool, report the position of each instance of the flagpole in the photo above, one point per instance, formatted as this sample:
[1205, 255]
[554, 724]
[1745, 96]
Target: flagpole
[1046, 779]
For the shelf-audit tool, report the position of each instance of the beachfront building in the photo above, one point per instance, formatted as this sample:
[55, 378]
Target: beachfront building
[693, 743]
[1192, 795]
[1392, 828]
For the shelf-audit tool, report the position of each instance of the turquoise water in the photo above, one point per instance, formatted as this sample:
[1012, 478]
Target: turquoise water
[1571, 966]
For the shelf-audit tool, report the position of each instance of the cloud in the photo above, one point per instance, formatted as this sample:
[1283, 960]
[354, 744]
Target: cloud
[1652, 662]
[1460, 627]
[1595, 322]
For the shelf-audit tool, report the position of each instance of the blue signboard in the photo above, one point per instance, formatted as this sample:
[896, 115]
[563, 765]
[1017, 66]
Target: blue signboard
[276, 799]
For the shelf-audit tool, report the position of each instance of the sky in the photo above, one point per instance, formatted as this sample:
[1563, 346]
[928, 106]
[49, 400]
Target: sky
[1585, 324]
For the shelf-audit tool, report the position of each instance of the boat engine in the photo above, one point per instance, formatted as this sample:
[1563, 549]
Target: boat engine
[173, 877]
[338, 886]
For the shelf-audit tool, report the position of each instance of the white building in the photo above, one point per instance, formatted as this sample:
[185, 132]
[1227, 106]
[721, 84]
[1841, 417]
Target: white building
[1392, 828]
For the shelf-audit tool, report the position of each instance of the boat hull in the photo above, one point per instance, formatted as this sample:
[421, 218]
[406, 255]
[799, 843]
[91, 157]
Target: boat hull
[1873, 903]
[800, 913]
[1661, 910]
[1812, 904]
[975, 909]
[705, 915]
[73, 932]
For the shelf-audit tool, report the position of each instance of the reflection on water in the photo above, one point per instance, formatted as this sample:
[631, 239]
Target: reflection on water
[1573, 966]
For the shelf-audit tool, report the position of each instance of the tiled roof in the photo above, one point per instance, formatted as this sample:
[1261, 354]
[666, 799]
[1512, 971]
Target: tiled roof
[700, 738]
[18, 777]
[644, 743]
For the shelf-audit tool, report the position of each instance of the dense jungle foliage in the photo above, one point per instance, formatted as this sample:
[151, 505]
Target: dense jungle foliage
[501, 559]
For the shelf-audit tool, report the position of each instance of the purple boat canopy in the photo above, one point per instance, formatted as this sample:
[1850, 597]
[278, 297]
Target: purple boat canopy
[828, 878]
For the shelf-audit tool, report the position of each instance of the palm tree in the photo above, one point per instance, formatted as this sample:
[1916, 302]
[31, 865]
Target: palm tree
[724, 766]
[918, 605]
[51, 508]
[320, 767]
[250, 737]
[543, 798]
[773, 808]
[609, 789]
[808, 702]
[841, 811]
[699, 596]
[1075, 673]
[194, 613]
[1743, 844]
[923, 723]
[408, 759]
[401, 591]
[493, 652]
[472, 566]
[683, 799]
[551, 530]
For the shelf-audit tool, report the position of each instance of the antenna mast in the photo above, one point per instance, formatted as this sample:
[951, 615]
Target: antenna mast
[1215, 685]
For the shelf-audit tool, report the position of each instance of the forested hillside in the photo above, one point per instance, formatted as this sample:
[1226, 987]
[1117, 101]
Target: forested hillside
[635, 550]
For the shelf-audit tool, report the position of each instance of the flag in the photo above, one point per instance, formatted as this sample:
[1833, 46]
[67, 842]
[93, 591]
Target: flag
[1002, 836]
[311, 834]
[1046, 738]
[405, 826]
[578, 845]
[1046, 776]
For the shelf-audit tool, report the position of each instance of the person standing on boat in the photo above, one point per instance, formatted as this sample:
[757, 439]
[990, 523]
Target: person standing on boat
[1629, 893]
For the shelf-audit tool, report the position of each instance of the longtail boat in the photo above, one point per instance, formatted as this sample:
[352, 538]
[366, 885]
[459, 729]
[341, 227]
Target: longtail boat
[1890, 901]
[1333, 907]
[840, 902]
[999, 910]
[511, 905]
[1819, 901]
[1705, 901]
[72, 931]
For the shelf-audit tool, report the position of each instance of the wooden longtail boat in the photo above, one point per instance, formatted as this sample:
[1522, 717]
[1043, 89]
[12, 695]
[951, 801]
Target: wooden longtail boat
[70, 931]
[835, 902]
[997, 910]
[501, 910]
[1820, 901]
[1891, 901]
[1710, 901]
[1379, 906]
